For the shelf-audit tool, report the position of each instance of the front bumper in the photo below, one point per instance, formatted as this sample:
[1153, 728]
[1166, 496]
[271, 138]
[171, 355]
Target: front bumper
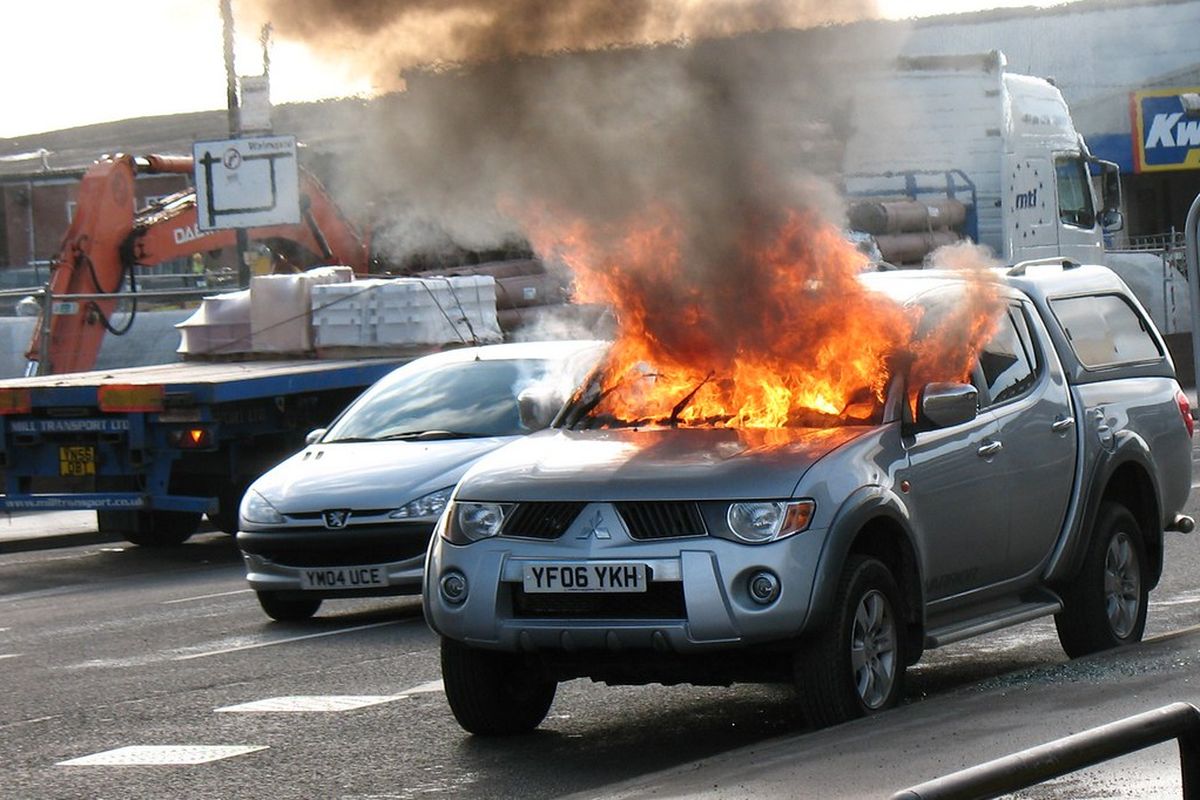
[277, 560]
[699, 597]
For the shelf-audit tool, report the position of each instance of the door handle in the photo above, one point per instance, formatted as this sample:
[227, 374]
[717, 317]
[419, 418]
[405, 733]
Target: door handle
[1062, 424]
[989, 449]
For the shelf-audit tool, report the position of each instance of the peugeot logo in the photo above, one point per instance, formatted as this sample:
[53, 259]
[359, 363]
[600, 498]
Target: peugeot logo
[595, 527]
[336, 518]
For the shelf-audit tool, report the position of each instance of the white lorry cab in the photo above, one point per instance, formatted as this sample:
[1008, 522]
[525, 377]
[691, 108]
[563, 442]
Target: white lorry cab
[943, 148]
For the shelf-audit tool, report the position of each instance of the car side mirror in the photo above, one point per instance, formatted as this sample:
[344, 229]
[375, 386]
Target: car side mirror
[538, 406]
[314, 436]
[943, 405]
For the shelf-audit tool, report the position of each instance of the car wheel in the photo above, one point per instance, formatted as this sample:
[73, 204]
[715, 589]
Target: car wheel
[1105, 606]
[492, 693]
[855, 666]
[149, 528]
[284, 607]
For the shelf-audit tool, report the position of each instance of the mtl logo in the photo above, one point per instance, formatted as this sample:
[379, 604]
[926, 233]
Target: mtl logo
[1027, 199]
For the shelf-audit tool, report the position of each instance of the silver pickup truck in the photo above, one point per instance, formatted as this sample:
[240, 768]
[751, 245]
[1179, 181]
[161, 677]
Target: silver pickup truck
[828, 558]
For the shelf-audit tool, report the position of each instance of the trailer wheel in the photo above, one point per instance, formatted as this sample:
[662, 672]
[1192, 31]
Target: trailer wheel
[225, 519]
[288, 606]
[149, 528]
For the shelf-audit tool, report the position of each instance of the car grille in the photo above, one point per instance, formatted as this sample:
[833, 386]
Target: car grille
[541, 520]
[351, 546]
[662, 600]
[662, 520]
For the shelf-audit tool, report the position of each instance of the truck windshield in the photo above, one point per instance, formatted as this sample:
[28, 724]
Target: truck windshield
[455, 400]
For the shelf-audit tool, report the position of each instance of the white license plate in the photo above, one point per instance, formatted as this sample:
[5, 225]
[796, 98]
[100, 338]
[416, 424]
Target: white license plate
[576, 577]
[336, 578]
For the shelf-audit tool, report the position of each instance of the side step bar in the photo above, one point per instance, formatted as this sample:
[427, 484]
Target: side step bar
[957, 631]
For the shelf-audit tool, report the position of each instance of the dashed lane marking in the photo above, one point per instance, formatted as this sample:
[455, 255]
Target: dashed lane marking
[156, 755]
[432, 686]
[9, 655]
[206, 596]
[333, 702]
[286, 640]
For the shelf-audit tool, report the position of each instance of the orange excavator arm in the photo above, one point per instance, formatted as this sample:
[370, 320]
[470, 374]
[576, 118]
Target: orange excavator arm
[106, 241]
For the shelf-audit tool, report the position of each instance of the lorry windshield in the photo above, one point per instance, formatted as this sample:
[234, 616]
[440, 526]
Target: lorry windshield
[460, 399]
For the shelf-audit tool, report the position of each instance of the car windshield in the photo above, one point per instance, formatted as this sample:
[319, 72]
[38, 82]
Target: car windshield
[588, 408]
[448, 400]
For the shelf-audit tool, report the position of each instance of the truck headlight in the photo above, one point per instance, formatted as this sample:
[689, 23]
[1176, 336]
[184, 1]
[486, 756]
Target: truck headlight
[470, 522]
[768, 520]
[430, 505]
[256, 509]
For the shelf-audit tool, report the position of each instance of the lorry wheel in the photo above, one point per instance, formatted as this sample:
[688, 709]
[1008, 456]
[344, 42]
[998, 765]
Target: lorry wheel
[855, 666]
[149, 528]
[225, 518]
[492, 693]
[285, 607]
[1105, 606]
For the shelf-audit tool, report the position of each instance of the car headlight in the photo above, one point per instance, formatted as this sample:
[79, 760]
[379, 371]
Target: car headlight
[470, 522]
[770, 520]
[430, 505]
[257, 510]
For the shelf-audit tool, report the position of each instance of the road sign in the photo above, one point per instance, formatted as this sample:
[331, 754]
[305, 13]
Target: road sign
[247, 183]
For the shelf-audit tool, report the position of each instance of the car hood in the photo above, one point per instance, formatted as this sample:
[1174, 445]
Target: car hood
[680, 464]
[369, 475]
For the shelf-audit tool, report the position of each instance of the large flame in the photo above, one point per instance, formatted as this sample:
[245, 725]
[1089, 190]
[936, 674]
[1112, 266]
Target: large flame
[776, 332]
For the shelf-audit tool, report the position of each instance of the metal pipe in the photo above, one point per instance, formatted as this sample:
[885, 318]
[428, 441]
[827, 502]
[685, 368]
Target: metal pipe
[1020, 770]
[1192, 248]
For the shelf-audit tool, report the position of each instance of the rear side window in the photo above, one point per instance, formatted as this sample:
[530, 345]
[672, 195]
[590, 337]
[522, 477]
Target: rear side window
[1105, 330]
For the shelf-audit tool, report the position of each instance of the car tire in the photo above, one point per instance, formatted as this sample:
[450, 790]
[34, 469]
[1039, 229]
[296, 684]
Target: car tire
[149, 528]
[855, 666]
[492, 693]
[1105, 606]
[285, 607]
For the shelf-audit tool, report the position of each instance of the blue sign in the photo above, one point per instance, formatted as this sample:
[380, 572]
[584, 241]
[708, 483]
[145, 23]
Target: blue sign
[1166, 136]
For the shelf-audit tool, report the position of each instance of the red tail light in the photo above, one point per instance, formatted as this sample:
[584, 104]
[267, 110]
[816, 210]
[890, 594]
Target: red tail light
[15, 401]
[1185, 409]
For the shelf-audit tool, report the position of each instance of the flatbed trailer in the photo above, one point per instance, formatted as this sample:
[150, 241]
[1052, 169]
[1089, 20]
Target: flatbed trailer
[151, 449]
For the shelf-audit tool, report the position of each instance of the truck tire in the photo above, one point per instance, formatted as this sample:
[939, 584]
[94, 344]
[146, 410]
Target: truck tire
[288, 607]
[854, 667]
[225, 518]
[149, 528]
[491, 693]
[1105, 606]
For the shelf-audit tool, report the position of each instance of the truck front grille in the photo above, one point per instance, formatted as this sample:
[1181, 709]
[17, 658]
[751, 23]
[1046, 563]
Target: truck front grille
[662, 520]
[541, 520]
[662, 600]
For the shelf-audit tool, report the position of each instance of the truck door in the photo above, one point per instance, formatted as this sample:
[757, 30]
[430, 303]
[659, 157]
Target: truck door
[954, 494]
[1024, 388]
[1029, 197]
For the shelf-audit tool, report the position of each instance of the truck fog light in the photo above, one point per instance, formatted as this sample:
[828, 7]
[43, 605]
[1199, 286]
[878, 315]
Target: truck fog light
[454, 587]
[764, 587]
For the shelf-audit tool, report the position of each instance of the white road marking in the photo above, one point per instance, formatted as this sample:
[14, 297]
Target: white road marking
[153, 755]
[257, 645]
[9, 655]
[432, 686]
[206, 596]
[333, 702]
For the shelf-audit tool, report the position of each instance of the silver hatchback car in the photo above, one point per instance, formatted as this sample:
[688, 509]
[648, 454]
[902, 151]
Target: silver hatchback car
[352, 513]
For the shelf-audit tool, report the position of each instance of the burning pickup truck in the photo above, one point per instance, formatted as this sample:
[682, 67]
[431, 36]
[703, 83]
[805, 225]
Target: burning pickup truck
[831, 549]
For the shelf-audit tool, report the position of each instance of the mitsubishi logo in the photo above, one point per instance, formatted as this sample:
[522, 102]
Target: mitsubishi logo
[336, 518]
[595, 527]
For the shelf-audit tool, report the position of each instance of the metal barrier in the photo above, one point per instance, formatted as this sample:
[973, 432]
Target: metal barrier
[1021, 770]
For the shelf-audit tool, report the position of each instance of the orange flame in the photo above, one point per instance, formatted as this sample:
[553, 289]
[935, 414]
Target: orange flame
[776, 332]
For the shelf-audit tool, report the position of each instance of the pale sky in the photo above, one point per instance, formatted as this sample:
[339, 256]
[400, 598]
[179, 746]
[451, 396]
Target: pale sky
[75, 62]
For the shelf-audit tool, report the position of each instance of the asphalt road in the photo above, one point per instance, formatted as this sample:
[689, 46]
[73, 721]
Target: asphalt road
[110, 646]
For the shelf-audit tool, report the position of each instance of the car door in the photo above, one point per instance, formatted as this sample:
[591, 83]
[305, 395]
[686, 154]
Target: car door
[1026, 391]
[951, 483]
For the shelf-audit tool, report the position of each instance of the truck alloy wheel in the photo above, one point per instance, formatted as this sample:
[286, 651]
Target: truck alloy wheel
[854, 666]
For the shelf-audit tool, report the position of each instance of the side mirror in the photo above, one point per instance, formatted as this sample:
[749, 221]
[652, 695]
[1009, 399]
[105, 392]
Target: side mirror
[314, 436]
[943, 405]
[1112, 221]
[1111, 218]
[538, 406]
